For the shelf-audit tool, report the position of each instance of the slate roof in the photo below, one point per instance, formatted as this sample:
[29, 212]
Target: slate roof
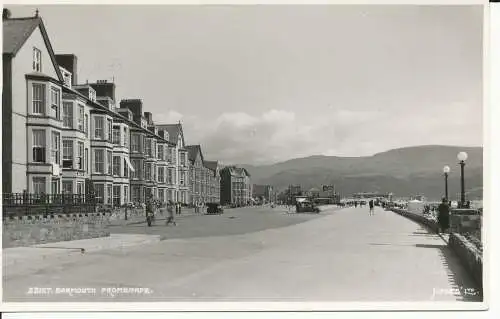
[173, 131]
[17, 30]
[211, 165]
[193, 150]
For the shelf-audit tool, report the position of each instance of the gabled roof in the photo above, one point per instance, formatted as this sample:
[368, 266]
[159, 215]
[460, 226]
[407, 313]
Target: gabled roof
[16, 32]
[173, 131]
[193, 151]
[237, 171]
[211, 165]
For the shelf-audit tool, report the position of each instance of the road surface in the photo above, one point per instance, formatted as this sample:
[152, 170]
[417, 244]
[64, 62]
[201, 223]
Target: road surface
[340, 255]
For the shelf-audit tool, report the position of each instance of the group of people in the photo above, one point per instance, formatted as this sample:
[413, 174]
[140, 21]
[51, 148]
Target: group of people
[152, 206]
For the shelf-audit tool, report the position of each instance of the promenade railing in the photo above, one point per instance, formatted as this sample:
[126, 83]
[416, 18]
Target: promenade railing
[20, 204]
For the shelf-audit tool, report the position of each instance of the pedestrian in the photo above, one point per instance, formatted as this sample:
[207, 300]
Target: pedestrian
[149, 211]
[443, 216]
[170, 212]
[372, 209]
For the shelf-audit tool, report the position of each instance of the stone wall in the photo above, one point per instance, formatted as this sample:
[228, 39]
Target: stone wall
[40, 229]
[429, 223]
[470, 256]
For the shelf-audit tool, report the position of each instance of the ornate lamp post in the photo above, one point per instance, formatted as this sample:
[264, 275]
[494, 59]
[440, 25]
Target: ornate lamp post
[462, 157]
[446, 170]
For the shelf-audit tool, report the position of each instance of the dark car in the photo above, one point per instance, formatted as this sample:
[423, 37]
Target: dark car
[214, 209]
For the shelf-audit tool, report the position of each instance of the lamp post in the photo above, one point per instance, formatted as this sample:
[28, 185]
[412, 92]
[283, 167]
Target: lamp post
[462, 157]
[446, 170]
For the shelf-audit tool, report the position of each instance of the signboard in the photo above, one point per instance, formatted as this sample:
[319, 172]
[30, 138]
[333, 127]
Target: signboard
[327, 188]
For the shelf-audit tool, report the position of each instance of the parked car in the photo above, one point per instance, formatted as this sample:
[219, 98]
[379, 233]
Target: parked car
[214, 209]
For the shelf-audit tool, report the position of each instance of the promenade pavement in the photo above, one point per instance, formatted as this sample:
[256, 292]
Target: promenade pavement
[339, 255]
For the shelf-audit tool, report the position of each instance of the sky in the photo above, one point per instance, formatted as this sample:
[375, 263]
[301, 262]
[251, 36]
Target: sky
[263, 84]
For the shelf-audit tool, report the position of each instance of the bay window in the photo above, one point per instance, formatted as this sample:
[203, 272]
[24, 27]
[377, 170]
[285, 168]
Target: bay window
[116, 136]
[38, 98]
[81, 111]
[39, 146]
[55, 102]
[67, 153]
[99, 161]
[110, 130]
[68, 114]
[56, 141]
[110, 162]
[99, 127]
[117, 165]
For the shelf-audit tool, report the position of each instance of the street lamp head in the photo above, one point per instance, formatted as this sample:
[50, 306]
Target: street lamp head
[462, 156]
[446, 169]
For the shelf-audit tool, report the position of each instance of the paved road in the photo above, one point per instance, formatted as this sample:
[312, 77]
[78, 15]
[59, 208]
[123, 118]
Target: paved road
[341, 255]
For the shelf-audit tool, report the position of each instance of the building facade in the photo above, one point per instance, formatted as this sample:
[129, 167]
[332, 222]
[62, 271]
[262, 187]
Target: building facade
[204, 177]
[59, 136]
[263, 193]
[235, 188]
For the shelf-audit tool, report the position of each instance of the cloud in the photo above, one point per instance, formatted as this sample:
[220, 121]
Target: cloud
[278, 135]
[169, 117]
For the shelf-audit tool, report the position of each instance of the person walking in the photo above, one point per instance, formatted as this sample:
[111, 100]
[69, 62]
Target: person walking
[372, 209]
[149, 211]
[443, 216]
[171, 215]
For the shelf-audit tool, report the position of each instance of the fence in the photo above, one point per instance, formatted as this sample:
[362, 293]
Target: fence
[20, 204]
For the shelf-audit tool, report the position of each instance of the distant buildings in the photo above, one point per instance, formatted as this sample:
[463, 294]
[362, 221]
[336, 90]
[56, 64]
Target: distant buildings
[235, 186]
[263, 193]
[204, 177]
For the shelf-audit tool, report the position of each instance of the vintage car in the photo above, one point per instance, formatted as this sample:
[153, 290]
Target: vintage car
[214, 209]
[306, 207]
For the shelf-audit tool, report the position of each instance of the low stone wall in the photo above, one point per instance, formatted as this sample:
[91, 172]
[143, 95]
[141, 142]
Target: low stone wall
[134, 215]
[40, 229]
[429, 223]
[470, 256]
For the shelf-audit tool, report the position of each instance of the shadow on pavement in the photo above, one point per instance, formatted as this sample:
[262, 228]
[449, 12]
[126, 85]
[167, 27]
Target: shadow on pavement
[460, 279]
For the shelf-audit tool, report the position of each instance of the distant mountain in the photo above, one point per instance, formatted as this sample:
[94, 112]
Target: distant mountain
[404, 171]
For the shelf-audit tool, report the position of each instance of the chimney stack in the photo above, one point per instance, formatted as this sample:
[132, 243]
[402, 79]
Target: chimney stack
[69, 62]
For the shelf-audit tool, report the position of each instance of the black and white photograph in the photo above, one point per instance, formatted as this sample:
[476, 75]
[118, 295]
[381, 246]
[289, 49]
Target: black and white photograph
[243, 154]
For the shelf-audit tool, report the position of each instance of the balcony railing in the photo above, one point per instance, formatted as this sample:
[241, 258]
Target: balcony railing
[19, 204]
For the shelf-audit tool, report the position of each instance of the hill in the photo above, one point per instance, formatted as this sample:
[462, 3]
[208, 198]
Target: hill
[403, 171]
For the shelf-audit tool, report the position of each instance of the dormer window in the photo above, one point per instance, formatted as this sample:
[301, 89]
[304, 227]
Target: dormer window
[37, 60]
[92, 95]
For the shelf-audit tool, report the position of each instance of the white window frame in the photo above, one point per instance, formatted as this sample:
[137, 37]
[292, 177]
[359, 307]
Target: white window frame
[81, 116]
[99, 129]
[68, 114]
[110, 130]
[65, 183]
[37, 60]
[109, 158]
[117, 136]
[39, 185]
[80, 162]
[99, 161]
[55, 101]
[68, 152]
[97, 189]
[39, 142]
[56, 148]
[80, 188]
[38, 98]
[135, 143]
[117, 165]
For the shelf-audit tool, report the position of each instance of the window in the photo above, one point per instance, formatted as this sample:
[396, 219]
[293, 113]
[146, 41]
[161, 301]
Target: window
[134, 145]
[147, 147]
[125, 169]
[86, 125]
[38, 185]
[92, 95]
[99, 128]
[160, 152]
[147, 171]
[55, 186]
[161, 174]
[55, 96]
[125, 194]
[56, 141]
[87, 159]
[39, 146]
[67, 187]
[110, 193]
[117, 160]
[99, 193]
[68, 114]
[37, 60]
[38, 98]
[110, 162]
[99, 161]
[138, 169]
[80, 156]
[79, 188]
[171, 176]
[125, 137]
[116, 195]
[81, 112]
[116, 136]
[67, 154]
[161, 195]
[153, 148]
[181, 182]
[110, 130]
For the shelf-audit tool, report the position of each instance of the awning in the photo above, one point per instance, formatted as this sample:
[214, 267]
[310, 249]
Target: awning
[129, 165]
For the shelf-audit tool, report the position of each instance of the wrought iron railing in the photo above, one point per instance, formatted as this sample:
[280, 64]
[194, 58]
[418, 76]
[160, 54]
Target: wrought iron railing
[19, 204]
